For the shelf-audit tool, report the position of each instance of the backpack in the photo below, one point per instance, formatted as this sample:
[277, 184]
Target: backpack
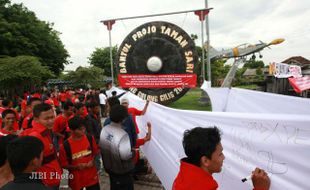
[68, 148]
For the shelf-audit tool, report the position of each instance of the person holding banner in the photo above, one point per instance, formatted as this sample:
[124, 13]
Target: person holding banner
[205, 157]
[116, 150]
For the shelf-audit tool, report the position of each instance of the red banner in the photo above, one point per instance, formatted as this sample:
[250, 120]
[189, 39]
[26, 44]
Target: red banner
[157, 81]
[300, 84]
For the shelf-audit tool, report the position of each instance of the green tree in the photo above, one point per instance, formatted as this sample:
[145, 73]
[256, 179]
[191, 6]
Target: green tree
[85, 76]
[218, 71]
[22, 33]
[194, 37]
[252, 64]
[101, 58]
[22, 72]
[218, 68]
[239, 79]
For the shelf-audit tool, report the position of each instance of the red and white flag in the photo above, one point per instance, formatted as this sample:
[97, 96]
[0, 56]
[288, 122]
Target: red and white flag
[300, 84]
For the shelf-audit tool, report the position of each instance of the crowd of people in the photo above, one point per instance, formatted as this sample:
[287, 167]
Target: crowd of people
[53, 131]
[56, 131]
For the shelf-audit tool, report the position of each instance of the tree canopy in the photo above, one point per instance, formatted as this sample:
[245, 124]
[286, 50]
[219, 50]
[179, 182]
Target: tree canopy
[21, 72]
[22, 33]
[85, 76]
[101, 58]
[253, 64]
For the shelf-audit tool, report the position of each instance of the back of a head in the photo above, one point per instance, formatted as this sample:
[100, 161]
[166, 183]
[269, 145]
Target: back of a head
[22, 151]
[6, 102]
[67, 105]
[113, 101]
[76, 122]
[4, 142]
[118, 113]
[199, 142]
[38, 109]
[92, 104]
[114, 93]
[33, 99]
[78, 105]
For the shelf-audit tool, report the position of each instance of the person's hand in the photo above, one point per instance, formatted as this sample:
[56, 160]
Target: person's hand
[260, 179]
[149, 132]
[90, 164]
[81, 166]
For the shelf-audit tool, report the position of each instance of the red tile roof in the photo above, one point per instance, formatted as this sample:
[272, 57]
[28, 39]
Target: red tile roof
[297, 59]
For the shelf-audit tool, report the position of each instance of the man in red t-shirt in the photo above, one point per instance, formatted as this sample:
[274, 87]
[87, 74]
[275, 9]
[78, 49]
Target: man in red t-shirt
[8, 104]
[77, 155]
[42, 125]
[205, 157]
[8, 118]
[26, 124]
[134, 111]
[61, 122]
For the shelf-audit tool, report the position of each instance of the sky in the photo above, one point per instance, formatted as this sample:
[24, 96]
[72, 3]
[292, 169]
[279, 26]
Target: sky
[231, 23]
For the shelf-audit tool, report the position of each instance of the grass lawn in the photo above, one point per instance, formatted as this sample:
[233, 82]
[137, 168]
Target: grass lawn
[249, 87]
[190, 101]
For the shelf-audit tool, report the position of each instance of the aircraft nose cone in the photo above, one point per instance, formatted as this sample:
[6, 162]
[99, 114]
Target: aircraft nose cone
[277, 41]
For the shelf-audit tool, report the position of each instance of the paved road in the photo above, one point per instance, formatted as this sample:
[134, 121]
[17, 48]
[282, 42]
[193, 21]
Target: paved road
[145, 182]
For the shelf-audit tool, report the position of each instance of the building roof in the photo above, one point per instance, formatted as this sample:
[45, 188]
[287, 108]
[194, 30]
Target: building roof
[249, 72]
[252, 72]
[297, 60]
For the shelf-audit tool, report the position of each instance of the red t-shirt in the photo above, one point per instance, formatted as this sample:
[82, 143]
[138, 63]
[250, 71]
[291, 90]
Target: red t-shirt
[36, 95]
[60, 126]
[56, 102]
[15, 125]
[23, 106]
[51, 169]
[4, 132]
[191, 177]
[26, 121]
[62, 97]
[81, 153]
[135, 112]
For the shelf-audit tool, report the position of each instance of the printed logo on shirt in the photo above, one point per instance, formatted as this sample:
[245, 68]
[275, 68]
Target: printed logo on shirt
[81, 154]
[110, 137]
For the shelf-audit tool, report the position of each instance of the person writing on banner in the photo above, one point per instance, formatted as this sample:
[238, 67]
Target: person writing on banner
[205, 157]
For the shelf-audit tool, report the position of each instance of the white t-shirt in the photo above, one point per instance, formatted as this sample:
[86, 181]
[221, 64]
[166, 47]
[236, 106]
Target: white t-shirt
[102, 98]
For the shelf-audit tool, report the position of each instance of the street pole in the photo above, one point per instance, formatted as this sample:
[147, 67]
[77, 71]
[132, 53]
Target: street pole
[208, 44]
[111, 58]
[203, 70]
[109, 24]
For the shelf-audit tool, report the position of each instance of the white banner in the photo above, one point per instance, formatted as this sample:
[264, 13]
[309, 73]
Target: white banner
[278, 143]
[250, 101]
[283, 70]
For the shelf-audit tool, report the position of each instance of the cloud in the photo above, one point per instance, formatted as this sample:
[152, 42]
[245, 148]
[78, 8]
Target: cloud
[231, 23]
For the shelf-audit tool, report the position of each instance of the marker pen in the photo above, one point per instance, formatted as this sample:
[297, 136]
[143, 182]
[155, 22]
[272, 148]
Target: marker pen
[246, 178]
